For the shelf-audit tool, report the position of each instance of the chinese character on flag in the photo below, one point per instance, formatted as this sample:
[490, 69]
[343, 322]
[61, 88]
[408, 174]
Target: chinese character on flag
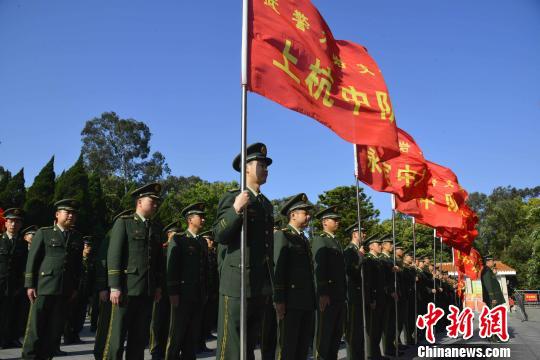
[295, 61]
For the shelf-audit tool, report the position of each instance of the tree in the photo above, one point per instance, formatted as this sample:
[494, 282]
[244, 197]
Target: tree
[5, 176]
[14, 193]
[98, 211]
[115, 147]
[73, 184]
[39, 197]
[345, 198]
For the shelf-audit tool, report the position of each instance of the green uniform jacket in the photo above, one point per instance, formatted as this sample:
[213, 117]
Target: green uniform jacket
[13, 255]
[329, 267]
[491, 289]
[54, 263]
[259, 247]
[387, 263]
[353, 263]
[374, 279]
[187, 267]
[408, 278]
[134, 258]
[294, 274]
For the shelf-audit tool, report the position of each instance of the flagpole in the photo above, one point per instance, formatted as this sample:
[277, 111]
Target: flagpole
[393, 197]
[243, 236]
[415, 275]
[440, 255]
[359, 216]
[434, 264]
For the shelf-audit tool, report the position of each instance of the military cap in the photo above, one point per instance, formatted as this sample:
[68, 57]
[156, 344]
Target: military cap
[372, 239]
[399, 246]
[207, 234]
[152, 190]
[67, 204]
[328, 213]
[88, 240]
[13, 213]
[296, 202]
[197, 208]
[255, 151]
[174, 227]
[123, 213]
[408, 254]
[488, 257]
[386, 238]
[29, 230]
[352, 228]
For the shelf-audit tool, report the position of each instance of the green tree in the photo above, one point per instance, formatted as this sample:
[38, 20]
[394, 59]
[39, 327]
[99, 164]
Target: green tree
[73, 184]
[39, 197]
[5, 176]
[115, 147]
[14, 193]
[345, 198]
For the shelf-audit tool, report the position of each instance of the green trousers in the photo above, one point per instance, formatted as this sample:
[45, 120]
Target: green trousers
[374, 329]
[294, 333]
[354, 332]
[228, 342]
[184, 330]
[269, 330]
[389, 326]
[132, 318]
[102, 330]
[159, 327]
[329, 330]
[44, 327]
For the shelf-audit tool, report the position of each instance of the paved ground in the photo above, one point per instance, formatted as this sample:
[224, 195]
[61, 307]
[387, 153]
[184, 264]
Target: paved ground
[524, 343]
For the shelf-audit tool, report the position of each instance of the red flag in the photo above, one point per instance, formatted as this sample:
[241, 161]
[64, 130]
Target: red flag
[405, 175]
[461, 238]
[470, 264]
[295, 61]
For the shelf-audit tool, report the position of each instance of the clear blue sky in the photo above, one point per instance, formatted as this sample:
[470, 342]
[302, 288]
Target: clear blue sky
[464, 77]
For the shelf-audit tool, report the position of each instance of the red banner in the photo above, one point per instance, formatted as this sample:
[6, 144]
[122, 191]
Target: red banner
[405, 175]
[295, 61]
[469, 264]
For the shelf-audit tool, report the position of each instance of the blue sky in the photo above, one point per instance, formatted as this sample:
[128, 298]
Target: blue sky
[464, 78]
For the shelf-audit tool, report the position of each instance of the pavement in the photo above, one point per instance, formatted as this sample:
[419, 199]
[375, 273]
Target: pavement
[524, 343]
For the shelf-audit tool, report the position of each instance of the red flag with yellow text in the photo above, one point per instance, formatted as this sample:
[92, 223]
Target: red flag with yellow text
[295, 61]
[406, 175]
[468, 263]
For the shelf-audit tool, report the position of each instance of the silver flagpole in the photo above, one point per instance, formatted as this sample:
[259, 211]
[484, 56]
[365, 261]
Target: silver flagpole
[395, 274]
[434, 264]
[359, 216]
[243, 236]
[415, 275]
[440, 255]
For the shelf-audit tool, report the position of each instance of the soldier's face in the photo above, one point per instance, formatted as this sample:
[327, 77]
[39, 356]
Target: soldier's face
[331, 224]
[387, 246]
[66, 218]
[408, 259]
[399, 252]
[257, 171]
[376, 247]
[13, 225]
[196, 220]
[490, 264]
[300, 217]
[147, 206]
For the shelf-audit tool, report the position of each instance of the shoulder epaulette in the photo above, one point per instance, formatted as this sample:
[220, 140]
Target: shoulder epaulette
[233, 190]
[46, 227]
[129, 216]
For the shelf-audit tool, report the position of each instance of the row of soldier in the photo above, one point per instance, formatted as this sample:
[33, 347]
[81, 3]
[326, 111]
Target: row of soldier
[300, 293]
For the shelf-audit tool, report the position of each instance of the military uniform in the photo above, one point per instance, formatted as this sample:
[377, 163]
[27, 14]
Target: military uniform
[53, 269]
[259, 263]
[354, 330]
[331, 282]
[407, 291]
[209, 319]
[491, 288]
[374, 300]
[389, 308]
[13, 253]
[135, 267]
[187, 269]
[294, 285]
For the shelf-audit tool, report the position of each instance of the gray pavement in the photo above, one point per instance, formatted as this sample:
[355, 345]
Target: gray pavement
[524, 343]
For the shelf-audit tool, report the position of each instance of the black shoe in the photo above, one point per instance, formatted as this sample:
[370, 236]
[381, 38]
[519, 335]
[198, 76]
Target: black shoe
[13, 344]
[402, 347]
[59, 352]
[211, 337]
[204, 349]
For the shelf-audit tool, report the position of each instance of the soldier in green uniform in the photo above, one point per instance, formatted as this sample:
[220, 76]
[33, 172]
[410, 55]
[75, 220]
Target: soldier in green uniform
[187, 269]
[22, 315]
[102, 290]
[374, 296]
[232, 208]
[294, 288]
[269, 321]
[403, 289]
[53, 271]
[354, 331]
[13, 253]
[331, 286]
[209, 322]
[161, 310]
[28, 234]
[492, 294]
[135, 274]
[408, 280]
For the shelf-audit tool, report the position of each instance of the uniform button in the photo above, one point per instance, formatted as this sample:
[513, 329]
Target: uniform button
[266, 245]
[42, 273]
[292, 286]
[329, 281]
[266, 232]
